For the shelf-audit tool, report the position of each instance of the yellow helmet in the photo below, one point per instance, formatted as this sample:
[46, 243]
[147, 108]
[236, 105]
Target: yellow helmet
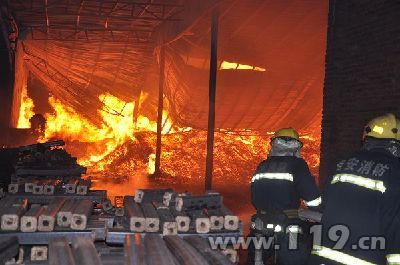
[383, 127]
[287, 132]
[398, 129]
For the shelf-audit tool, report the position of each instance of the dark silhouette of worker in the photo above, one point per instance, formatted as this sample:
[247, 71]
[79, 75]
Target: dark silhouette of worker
[361, 219]
[278, 185]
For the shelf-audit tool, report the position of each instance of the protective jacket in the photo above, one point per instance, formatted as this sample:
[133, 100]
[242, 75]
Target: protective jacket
[280, 182]
[363, 197]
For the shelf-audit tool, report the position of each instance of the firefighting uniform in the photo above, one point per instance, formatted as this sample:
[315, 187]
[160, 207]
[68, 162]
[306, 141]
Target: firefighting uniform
[363, 195]
[277, 185]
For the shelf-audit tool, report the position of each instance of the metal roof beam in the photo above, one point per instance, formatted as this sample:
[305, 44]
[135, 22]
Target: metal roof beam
[28, 16]
[107, 35]
[130, 10]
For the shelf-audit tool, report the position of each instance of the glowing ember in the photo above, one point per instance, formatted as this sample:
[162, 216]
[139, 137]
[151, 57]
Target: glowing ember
[26, 109]
[183, 156]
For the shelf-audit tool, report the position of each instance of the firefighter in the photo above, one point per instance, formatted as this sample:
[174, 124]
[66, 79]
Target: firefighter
[278, 185]
[361, 219]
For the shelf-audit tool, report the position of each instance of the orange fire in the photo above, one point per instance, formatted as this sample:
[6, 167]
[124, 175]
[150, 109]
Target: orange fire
[26, 110]
[183, 156]
[120, 154]
[117, 128]
[120, 150]
[225, 65]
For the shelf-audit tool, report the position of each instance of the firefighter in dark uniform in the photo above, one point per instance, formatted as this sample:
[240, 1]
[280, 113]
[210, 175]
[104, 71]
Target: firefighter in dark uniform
[361, 219]
[278, 185]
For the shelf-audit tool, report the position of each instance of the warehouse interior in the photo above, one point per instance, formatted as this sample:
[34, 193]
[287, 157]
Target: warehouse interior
[92, 70]
[127, 85]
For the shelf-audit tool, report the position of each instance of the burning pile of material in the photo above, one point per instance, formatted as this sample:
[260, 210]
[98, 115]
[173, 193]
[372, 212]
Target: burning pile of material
[124, 146]
[95, 144]
[183, 156]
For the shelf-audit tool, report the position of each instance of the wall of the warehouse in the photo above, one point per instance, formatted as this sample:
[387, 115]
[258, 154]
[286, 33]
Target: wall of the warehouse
[362, 73]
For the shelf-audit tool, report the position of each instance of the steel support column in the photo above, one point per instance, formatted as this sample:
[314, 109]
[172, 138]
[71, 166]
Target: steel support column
[160, 111]
[211, 100]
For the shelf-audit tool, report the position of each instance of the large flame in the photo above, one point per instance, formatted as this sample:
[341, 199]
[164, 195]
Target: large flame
[121, 150]
[26, 109]
[117, 128]
[121, 153]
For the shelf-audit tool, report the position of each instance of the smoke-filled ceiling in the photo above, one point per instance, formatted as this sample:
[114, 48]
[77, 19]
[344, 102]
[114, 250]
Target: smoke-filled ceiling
[271, 57]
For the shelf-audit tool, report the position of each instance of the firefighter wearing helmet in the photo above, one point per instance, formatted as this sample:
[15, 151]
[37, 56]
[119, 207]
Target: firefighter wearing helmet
[361, 219]
[277, 187]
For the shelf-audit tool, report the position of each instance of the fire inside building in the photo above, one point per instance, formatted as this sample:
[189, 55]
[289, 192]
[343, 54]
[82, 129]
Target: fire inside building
[199, 132]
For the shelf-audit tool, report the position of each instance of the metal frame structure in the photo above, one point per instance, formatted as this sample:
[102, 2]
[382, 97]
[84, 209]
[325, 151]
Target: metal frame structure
[88, 35]
[91, 20]
[155, 11]
[211, 99]
[160, 110]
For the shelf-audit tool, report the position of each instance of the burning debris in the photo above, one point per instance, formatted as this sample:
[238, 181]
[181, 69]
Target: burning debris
[125, 145]
[118, 126]
[183, 156]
